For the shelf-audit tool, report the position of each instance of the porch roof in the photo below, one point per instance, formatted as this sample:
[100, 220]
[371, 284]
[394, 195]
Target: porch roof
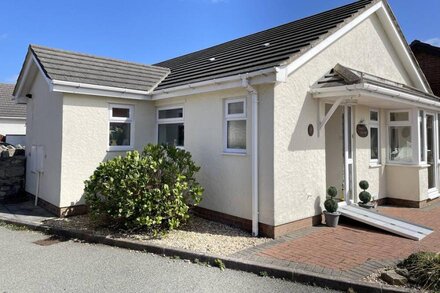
[369, 89]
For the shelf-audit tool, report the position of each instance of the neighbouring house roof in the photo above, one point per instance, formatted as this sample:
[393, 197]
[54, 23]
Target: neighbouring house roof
[88, 69]
[341, 75]
[258, 51]
[8, 107]
[418, 46]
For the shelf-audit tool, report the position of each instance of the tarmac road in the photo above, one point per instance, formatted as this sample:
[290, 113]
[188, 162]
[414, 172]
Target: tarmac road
[70, 266]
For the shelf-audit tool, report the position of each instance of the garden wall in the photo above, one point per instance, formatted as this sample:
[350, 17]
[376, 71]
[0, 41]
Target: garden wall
[12, 171]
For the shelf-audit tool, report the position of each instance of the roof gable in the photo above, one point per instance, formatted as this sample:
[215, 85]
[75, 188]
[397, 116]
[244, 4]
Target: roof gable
[88, 69]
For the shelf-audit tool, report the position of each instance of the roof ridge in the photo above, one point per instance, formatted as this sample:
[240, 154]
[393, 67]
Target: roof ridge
[32, 46]
[266, 30]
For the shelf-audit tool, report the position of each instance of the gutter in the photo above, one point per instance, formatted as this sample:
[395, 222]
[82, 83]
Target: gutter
[254, 134]
[176, 91]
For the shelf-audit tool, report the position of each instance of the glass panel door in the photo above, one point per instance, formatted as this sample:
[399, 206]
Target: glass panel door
[430, 151]
[348, 155]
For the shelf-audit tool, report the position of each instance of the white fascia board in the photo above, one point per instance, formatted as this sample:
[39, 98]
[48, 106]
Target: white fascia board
[27, 65]
[303, 59]
[235, 81]
[97, 90]
[401, 47]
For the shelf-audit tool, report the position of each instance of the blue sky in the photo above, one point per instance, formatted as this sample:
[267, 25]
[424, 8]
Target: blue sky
[155, 30]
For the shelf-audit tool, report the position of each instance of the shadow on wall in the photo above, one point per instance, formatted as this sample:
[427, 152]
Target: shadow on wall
[300, 139]
[317, 206]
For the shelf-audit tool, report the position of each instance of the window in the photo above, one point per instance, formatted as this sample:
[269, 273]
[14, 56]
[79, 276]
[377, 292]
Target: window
[121, 127]
[170, 126]
[374, 137]
[235, 125]
[400, 140]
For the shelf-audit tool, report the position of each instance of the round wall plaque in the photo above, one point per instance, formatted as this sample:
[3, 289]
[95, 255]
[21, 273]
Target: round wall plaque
[310, 130]
[362, 130]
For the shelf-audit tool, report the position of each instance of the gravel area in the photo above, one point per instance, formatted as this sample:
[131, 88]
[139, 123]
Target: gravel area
[376, 278]
[197, 235]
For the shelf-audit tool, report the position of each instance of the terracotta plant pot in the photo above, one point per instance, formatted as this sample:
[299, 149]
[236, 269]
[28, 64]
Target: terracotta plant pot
[331, 219]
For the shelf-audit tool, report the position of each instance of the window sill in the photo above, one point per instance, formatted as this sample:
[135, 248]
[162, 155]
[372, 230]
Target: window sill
[409, 165]
[120, 149]
[234, 154]
[375, 165]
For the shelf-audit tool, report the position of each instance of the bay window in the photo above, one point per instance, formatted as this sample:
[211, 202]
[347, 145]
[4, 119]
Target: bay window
[170, 126]
[235, 125]
[121, 127]
[400, 137]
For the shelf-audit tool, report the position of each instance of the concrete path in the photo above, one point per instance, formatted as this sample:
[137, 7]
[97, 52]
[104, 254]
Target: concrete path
[24, 212]
[32, 265]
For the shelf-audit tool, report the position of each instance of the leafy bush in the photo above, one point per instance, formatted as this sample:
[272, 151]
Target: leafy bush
[152, 191]
[364, 196]
[424, 269]
[330, 203]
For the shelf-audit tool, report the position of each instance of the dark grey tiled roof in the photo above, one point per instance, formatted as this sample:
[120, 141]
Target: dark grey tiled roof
[341, 75]
[81, 68]
[258, 51]
[8, 108]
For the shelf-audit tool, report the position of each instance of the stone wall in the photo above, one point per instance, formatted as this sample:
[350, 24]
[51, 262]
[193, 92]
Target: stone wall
[12, 172]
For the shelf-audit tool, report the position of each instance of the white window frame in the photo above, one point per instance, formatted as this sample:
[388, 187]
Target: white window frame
[233, 117]
[130, 120]
[414, 135]
[376, 124]
[160, 121]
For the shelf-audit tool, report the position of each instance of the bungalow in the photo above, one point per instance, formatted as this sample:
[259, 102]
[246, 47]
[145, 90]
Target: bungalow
[12, 117]
[273, 118]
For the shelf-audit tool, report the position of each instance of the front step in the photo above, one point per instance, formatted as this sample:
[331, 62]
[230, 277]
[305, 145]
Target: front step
[372, 218]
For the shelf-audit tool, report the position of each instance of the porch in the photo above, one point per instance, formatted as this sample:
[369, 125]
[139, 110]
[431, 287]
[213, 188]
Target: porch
[380, 131]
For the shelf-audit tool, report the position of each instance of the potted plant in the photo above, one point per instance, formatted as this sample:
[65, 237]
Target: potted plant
[331, 213]
[365, 196]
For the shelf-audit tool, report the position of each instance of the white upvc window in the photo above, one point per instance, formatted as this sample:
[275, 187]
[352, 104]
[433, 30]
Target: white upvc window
[422, 137]
[170, 126]
[235, 126]
[374, 137]
[400, 143]
[121, 127]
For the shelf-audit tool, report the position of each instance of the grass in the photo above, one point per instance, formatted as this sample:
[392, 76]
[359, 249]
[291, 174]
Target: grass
[14, 227]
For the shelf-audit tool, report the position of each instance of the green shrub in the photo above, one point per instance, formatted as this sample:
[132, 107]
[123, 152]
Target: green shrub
[364, 196]
[152, 191]
[363, 184]
[424, 269]
[330, 203]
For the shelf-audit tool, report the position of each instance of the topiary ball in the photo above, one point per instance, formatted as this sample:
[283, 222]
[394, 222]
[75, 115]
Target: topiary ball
[332, 191]
[365, 197]
[330, 205]
[364, 184]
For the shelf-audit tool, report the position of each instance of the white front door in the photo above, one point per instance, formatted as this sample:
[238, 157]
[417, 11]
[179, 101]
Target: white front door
[348, 155]
[431, 154]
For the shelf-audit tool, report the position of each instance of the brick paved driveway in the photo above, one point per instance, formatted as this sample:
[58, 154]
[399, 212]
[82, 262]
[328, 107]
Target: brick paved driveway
[352, 250]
